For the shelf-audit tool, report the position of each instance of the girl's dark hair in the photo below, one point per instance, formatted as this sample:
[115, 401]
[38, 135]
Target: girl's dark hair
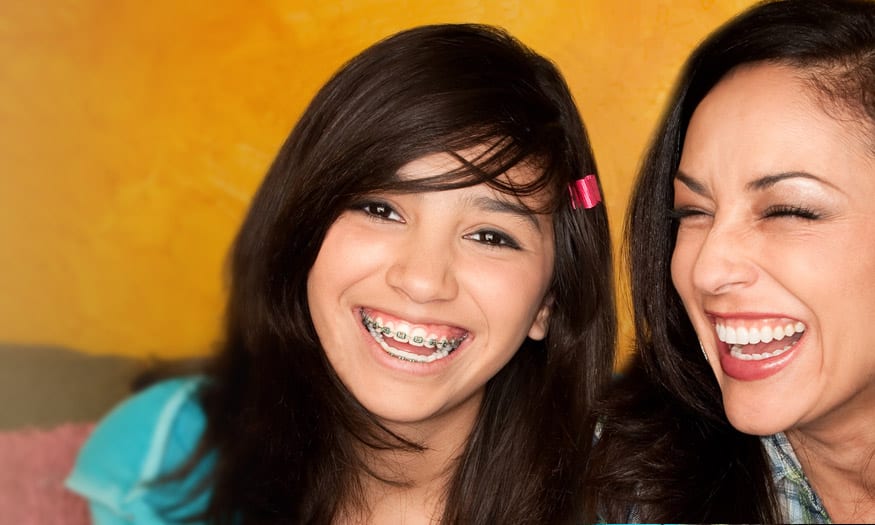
[667, 448]
[284, 427]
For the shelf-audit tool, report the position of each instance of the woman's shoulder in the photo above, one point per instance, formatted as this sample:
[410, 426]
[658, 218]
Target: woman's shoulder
[146, 437]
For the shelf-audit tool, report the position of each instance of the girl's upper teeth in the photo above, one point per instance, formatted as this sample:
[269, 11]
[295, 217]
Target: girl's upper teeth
[415, 336]
[764, 331]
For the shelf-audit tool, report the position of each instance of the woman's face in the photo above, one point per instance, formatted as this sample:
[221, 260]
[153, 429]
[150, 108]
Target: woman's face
[775, 253]
[419, 299]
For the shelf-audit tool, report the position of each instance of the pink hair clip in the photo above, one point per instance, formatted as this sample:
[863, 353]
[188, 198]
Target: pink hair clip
[585, 192]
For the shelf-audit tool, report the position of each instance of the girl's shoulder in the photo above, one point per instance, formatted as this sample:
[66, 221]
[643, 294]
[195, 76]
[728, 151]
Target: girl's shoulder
[143, 439]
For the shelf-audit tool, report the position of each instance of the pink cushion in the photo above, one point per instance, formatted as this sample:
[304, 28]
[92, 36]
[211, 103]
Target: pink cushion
[33, 466]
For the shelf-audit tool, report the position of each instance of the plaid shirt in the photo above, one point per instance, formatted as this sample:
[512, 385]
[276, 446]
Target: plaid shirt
[797, 498]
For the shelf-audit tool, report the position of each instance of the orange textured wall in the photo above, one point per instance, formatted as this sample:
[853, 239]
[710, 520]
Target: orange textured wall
[132, 135]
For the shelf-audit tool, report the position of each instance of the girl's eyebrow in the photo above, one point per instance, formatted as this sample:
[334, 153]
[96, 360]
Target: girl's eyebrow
[491, 204]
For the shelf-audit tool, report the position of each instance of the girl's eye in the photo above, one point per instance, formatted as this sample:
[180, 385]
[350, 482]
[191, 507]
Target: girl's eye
[493, 238]
[782, 210]
[380, 210]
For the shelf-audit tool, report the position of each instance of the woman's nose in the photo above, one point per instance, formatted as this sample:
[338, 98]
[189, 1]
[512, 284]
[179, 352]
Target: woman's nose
[723, 262]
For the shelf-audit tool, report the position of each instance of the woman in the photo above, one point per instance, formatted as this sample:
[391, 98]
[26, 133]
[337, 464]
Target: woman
[751, 242]
[418, 320]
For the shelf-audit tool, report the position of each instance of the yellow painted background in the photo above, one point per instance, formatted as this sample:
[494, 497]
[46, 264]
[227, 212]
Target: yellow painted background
[132, 135]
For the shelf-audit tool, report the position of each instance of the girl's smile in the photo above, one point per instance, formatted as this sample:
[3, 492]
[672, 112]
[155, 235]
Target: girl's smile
[409, 341]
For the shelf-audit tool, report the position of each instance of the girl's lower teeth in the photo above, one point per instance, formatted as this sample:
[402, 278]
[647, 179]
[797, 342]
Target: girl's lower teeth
[736, 352]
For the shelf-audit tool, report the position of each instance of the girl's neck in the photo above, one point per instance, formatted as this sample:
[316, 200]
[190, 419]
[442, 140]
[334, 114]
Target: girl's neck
[422, 477]
[838, 458]
[409, 504]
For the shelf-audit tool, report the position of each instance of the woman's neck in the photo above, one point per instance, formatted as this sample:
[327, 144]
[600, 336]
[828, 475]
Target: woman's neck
[838, 457]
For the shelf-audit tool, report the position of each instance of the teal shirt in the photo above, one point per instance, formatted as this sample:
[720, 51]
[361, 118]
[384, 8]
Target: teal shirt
[147, 436]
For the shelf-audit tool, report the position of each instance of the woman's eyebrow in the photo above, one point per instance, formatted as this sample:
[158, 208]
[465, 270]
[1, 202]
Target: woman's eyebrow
[768, 181]
[762, 183]
[694, 185]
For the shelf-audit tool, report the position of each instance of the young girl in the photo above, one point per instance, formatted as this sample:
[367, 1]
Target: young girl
[420, 312]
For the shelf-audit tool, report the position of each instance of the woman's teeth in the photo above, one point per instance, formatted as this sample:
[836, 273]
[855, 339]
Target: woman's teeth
[738, 337]
[736, 352]
[765, 333]
[383, 331]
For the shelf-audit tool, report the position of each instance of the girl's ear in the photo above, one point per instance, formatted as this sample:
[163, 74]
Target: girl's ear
[538, 331]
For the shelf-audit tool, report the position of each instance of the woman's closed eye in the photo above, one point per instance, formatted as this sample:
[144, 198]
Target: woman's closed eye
[683, 213]
[493, 238]
[379, 211]
[790, 211]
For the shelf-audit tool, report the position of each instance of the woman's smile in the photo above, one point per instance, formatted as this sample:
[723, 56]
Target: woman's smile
[755, 346]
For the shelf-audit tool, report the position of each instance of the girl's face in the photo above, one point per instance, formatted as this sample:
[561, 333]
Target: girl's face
[775, 253]
[419, 299]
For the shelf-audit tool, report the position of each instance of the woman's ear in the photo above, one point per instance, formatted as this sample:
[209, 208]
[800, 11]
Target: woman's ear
[538, 331]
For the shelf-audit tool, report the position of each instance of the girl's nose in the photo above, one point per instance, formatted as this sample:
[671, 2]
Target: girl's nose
[423, 272]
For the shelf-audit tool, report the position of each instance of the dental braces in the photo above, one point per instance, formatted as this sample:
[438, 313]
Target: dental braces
[438, 344]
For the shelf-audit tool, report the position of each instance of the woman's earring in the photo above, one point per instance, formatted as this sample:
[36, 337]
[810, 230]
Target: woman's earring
[704, 353]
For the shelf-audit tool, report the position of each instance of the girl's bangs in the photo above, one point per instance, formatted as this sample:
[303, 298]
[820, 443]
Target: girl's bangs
[503, 155]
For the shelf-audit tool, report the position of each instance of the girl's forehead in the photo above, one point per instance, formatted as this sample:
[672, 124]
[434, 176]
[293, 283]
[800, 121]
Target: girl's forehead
[429, 166]
[521, 175]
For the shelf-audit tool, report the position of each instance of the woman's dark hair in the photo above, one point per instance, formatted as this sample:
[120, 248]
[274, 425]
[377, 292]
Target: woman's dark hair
[284, 427]
[666, 447]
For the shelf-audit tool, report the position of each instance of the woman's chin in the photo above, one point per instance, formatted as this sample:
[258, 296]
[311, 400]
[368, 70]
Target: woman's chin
[763, 419]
